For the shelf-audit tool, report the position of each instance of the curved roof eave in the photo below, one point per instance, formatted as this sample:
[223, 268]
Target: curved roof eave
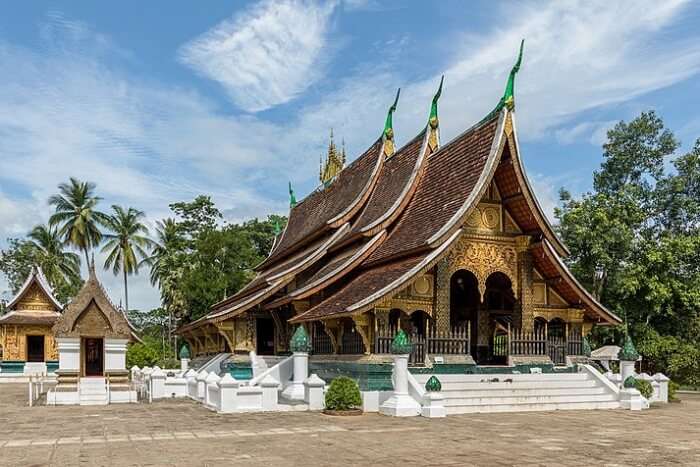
[587, 298]
[460, 216]
[395, 210]
[38, 275]
[532, 199]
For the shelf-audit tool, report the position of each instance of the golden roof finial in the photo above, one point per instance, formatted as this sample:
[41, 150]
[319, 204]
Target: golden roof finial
[333, 165]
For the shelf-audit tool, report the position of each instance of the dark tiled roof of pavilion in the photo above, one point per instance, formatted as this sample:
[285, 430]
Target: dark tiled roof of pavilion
[328, 205]
[451, 174]
[362, 286]
[372, 284]
[45, 318]
[392, 184]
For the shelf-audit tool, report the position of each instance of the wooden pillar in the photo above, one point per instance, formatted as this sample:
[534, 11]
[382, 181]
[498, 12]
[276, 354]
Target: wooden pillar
[525, 279]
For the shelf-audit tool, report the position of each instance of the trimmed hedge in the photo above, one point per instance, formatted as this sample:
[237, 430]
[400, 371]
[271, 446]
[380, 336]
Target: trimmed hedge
[644, 387]
[343, 394]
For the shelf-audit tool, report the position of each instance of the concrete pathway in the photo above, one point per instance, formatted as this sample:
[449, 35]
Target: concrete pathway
[184, 433]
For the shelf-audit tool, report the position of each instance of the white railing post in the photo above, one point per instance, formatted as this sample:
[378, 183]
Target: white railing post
[313, 392]
[269, 387]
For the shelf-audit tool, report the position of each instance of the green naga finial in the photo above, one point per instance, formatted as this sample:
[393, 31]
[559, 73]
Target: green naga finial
[292, 198]
[628, 353]
[389, 127]
[276, 229]
[184, 352]
[433, 384]
[300, 341]
[401, 344]
[433, 121]
[508, 98]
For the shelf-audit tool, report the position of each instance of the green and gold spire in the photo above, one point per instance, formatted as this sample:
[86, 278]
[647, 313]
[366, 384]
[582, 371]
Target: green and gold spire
[335, 163]
[292, 198]
[508, 99]
[433, 121]
[388, 133]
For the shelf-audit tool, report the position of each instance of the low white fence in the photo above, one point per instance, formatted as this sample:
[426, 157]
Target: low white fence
[226, 394]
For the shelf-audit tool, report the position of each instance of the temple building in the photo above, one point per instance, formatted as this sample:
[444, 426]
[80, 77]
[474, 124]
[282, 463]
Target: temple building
[91, 337]
[446, 241]
[27, 345]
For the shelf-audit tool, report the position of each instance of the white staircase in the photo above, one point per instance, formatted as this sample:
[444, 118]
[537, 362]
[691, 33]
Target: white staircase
[93, 391]
[523, 392]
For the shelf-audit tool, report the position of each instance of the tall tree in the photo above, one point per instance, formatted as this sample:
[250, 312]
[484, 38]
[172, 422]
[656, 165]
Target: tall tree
[76, 215]
[127, 241]
[61, 268]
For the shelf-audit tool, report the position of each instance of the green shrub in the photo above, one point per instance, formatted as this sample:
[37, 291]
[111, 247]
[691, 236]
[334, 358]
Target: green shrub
[343, 394]
[644, 387]
[672, 388]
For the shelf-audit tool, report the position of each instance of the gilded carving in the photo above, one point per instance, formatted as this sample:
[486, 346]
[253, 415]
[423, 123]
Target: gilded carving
[91, 322]
[34, 299]
[483, 259]
[485, 216]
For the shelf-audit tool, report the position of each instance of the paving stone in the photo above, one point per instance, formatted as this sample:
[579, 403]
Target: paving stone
[183, 433]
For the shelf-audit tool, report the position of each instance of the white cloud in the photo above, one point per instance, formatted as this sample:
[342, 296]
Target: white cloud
[71, 109]
[267, 55]
[593, 132]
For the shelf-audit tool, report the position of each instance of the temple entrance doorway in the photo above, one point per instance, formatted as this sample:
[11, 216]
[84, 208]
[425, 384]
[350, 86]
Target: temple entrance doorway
[93, 356]
[464, 306]
[499, 301]
[265, 336]
[35, 348]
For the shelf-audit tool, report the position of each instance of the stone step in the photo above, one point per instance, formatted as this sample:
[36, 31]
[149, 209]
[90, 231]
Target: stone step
[532, 407]
[95, 390]
[522, 392]
[477, 378]
[519, 385]
[536, 400]
[94, 402]
[93, 397]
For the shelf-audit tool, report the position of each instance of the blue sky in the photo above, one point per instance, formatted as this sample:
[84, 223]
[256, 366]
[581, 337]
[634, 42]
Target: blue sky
[160, 101]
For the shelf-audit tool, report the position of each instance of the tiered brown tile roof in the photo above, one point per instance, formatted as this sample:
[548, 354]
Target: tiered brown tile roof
[313, 214]
[362, 286]
[41, 318]
[392, 182]
[450, 176]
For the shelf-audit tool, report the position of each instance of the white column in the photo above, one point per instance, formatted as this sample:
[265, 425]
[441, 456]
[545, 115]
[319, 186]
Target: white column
[400, 404]
[434, 405]
[295, 391]
[626, 370]
[157, 383]
[201, 384]
[269, 387]
[68, 353]
[663, 386]
[211, 390]
[184, 364]
[115, 354]
[313, 392]
[228, 389]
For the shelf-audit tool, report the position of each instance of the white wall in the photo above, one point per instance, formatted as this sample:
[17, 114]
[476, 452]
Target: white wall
[115, 354]
[68, 353]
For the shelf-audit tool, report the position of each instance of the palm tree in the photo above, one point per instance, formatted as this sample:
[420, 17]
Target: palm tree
[169, 240]
[76, 216]
[126, 243]
[60, 267]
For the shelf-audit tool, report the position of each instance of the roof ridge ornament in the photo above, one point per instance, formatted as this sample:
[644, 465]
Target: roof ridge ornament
[292, 198]
[508, 99]
[388, 133]
[335, 163]
[433, 121]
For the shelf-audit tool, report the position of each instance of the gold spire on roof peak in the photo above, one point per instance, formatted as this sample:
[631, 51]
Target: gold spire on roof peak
[334, 163]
